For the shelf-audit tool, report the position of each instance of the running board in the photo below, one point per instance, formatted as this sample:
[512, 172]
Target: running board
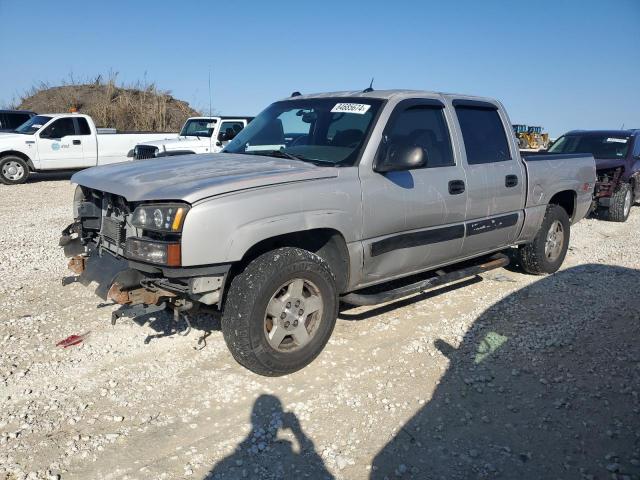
[469, 270]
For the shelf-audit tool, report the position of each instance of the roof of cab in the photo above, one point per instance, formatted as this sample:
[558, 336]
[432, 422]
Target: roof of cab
[626, 132]
[383, 94]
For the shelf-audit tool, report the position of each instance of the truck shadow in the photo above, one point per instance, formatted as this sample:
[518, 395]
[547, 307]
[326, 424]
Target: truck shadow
[545, 385]
[263, 455]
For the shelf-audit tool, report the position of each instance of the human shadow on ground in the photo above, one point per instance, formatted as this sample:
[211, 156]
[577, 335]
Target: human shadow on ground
[265, 456]
[544, 385]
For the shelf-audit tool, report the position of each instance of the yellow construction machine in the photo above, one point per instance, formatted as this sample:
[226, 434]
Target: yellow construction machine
[531, 138]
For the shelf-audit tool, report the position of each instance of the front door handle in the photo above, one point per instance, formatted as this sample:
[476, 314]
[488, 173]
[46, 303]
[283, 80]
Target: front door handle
[510, 181]
[77, 142]
[456, 187]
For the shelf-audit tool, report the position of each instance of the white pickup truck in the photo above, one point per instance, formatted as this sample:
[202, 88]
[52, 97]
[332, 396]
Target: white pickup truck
[198, 135]
[68, 141]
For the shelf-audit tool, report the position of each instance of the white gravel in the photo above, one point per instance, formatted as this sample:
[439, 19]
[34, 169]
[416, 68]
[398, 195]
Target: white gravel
[511, 377]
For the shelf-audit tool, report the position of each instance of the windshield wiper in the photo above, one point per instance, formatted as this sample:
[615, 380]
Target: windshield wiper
[290, 156]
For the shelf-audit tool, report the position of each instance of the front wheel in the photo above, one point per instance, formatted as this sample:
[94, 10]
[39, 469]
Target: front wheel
[548, 249]
[13, 170]
[621, 202]
[280, 311]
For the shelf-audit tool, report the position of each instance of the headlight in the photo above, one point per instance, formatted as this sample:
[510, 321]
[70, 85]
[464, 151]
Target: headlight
[152, 251]
[78, 198]
[167, 217]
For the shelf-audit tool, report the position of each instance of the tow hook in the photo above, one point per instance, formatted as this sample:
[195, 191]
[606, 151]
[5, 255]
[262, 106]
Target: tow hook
[77, 264]
[179, 308]
[137, 296]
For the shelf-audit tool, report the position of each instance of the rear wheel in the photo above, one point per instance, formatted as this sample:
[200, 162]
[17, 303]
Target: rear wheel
[621, 202]
[548, 249]
[280, 311]
[13, 170]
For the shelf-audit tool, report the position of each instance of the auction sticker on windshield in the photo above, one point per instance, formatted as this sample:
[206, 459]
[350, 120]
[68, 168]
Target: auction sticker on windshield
[359, 108]
[616, 140]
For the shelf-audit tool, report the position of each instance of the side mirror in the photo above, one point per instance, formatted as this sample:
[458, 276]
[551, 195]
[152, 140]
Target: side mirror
[399, 158]
[222, 136]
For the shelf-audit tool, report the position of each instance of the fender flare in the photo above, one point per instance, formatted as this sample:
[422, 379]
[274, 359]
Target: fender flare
[22, 155]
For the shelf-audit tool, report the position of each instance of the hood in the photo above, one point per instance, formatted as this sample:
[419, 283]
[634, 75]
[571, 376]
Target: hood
[177, 142]
[11, 137]
[194, 177]
[609, 163]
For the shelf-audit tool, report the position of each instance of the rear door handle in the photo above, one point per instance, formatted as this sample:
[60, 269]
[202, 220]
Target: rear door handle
[510, 181]
[456, 187]
[77, 142]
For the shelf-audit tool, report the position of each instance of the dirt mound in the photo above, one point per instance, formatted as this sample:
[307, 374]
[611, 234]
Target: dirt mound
[140, 109]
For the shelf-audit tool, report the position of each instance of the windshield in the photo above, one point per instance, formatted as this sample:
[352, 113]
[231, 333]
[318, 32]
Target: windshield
[32, 125]
[323, 130]
[200, 127]
[600, 146]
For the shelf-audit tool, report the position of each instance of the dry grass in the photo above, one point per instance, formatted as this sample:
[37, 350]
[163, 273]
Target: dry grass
[138, 107]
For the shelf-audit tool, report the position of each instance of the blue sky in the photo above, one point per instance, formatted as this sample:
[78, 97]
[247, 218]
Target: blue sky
[562, 64]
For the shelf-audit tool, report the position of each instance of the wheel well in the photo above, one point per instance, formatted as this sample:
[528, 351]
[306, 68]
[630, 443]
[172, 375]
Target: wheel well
[9, 153]
[325, 242]
[565, 199]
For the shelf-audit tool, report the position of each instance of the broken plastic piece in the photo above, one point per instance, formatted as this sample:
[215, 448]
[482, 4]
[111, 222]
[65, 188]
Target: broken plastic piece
[72, 340]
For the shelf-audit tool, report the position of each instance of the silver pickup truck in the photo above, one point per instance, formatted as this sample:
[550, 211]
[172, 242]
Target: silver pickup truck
[353, 197]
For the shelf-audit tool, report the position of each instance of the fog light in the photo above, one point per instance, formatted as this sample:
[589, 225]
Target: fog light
[160, 253]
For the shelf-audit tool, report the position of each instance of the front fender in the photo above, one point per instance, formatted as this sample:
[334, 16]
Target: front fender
[224, 228]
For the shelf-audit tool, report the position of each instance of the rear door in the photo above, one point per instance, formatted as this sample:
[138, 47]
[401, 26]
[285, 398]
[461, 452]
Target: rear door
[414, 219]
[495, 177]
[59, 147]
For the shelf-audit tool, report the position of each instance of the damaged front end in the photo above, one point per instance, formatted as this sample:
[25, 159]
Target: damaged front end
[132, 253]
[607, 181]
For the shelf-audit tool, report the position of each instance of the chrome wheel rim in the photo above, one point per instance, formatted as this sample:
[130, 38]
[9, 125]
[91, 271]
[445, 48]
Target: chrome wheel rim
[627, 203]
[555, 241]
[293, 315]
[12, 170]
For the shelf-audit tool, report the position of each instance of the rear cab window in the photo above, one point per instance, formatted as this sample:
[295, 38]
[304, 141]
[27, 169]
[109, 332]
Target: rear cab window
[483, 133]
[83, 126]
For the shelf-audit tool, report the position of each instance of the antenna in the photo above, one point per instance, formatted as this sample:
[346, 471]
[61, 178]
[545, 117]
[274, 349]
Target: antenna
[213, 131]
[370, 87]
[209, 90]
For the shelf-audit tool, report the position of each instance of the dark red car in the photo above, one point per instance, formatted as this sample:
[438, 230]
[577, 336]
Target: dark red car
[617, 154]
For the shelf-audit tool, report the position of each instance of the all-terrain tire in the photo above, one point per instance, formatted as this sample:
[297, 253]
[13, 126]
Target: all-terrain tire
[621, 202]
[533, 257]
[245, 323]
[13, 170]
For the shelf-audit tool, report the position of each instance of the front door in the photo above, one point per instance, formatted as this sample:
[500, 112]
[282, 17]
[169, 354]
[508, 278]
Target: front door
[228, 130]
[413, 219]
[59, 147]
[495, 178]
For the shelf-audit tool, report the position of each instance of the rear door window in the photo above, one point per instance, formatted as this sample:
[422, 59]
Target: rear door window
[485, 140]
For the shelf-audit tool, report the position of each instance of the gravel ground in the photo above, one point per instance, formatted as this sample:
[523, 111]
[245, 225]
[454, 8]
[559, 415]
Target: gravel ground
[510, 376]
